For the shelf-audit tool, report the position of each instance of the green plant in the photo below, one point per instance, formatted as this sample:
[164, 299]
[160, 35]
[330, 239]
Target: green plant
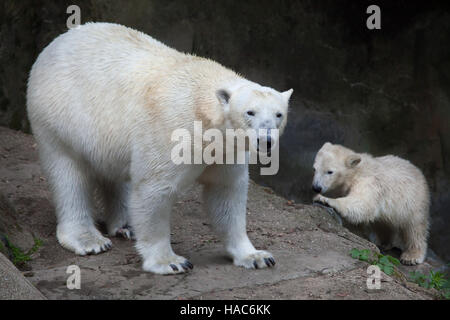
[386, 263]
[446, 289]
[434, 279]
[419, 278]
[18, 255]
[37, 244]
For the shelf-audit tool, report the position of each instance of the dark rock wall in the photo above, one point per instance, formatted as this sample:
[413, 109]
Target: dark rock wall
[384, 92]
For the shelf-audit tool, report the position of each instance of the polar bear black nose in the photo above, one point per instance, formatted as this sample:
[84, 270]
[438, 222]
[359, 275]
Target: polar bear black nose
[316, 189]
[268, 146]
[269, 142]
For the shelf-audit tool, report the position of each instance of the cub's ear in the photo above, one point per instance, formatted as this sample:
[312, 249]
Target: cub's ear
[287, 94]
[352, 160]
[223, 96]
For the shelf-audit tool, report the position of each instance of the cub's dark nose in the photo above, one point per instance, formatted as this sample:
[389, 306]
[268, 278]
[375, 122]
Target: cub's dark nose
[316, 189]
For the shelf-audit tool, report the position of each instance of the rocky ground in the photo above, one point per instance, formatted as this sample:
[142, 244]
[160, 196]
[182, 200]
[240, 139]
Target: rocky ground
[310, 247]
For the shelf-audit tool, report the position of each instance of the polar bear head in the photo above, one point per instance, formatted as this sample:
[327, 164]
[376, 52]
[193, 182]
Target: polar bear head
[334, 167]
[251, 106]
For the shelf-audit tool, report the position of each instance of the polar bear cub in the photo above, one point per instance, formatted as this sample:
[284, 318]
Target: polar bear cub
[103, 101]
[388, 194]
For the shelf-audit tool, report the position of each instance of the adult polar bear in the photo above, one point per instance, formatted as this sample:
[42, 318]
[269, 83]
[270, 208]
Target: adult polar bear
[103, 100]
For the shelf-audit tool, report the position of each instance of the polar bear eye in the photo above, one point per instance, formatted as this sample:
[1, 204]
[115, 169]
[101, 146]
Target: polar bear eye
[279, 115]
[330, 172]
[251, 113]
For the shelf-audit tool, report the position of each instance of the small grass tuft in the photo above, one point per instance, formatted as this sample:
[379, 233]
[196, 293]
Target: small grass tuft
[432, 280]
[386, 263]
[19, 257]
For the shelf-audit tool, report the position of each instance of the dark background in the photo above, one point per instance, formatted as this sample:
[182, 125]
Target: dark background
[379, 91]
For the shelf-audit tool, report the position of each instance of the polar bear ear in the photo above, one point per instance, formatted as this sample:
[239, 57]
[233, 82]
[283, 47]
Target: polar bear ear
[352, 160]
[223, 96]
[287, 94]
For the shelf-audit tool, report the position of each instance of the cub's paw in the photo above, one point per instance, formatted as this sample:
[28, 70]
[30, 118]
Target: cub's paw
[320, 199]
[322, 202]
[256, 260]
[83, 241]
[411, 258]
[171, 265]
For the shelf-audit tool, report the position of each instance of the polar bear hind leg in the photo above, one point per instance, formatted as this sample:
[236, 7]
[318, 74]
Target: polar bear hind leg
[114, 196]
[415, 243]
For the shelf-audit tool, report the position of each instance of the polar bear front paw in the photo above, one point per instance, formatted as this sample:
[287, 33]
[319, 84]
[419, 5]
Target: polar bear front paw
[256, 260]
[172, 265]
[83, 242]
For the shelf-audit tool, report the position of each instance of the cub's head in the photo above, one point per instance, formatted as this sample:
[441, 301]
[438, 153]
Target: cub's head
[255, 107]
[334, 166]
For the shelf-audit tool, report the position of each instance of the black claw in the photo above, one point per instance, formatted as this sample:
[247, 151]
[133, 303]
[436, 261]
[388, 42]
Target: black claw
[272, 261]
[187, 265]
[267, 262]
[255, 264]
[174, 267]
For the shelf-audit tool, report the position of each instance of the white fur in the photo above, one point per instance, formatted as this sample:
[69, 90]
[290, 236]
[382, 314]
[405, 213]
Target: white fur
[387, 193]
[103, 101]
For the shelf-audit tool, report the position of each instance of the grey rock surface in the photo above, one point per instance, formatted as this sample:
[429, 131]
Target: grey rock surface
[13, 285]
[311, 248]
